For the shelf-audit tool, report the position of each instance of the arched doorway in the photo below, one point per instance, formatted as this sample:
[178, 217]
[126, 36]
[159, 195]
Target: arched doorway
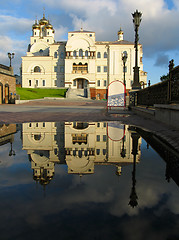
[6, 93]
[82, 83]
[1, 93]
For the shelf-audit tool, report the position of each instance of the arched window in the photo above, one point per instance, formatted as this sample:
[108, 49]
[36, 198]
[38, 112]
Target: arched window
[74, 53]
[37, 69]
[105, 55]
[37, 137]
[98, 55]
[86, 53]
[80, 53]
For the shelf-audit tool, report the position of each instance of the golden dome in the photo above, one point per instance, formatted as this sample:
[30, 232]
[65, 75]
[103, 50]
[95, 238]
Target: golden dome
[120, 31]
[49, 26]
[35, 25]
[43, 21]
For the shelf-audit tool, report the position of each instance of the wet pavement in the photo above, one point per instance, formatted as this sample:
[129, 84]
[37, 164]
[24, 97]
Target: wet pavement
[84, 111]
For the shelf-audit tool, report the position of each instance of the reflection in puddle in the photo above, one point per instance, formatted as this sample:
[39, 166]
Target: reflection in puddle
[81, 146]
[100, 153]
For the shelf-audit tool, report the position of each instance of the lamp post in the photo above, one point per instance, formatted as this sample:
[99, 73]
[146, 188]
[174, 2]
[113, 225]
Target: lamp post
[136, 20]
[10, 56]
[124, 59]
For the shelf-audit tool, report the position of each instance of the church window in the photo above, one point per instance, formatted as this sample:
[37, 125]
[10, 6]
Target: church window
[98, 68]
[80, 53]
[98, 55]
[98, 138]
[90, 35]
[98, 124]
[74, 53]
[37, 83]
[105, 69]
[43, 124]
[47, 40]
[35, 33]
[98, 83]
[105, 83]
[55, 54]
[97, 151]
[37, 137]
[30, 83]
[34, 40]
[86, 53]
[104, 151]
[104, 138]
[37, 69]
[105, 55]
[48, 33]
[43, 83]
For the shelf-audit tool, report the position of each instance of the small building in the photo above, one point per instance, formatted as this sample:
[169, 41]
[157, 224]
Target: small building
[7, 85]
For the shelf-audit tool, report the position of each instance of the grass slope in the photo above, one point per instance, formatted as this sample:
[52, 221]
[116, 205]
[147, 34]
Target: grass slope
[37, 93]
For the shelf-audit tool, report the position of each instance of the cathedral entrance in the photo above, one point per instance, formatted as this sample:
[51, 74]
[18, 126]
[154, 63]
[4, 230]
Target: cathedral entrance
[81, 83]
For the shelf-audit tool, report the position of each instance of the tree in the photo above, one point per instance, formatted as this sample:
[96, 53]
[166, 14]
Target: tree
[164, 77]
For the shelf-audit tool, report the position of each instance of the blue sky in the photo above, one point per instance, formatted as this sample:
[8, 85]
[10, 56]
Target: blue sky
[159, 30]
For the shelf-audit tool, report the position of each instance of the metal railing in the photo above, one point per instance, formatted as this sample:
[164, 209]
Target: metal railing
[165, 92]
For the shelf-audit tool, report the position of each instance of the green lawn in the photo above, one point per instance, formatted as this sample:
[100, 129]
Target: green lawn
[37, 93]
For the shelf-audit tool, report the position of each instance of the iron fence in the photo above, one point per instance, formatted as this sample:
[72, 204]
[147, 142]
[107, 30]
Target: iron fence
[161, 93]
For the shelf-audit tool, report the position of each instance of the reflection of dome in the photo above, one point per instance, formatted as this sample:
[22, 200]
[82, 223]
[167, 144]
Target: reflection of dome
[43, 21]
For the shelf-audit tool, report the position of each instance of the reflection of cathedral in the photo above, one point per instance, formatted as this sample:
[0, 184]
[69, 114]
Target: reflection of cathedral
[79, 145]
[44, 143]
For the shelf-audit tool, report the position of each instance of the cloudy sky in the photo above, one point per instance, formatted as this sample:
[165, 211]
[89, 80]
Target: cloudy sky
[159, 30]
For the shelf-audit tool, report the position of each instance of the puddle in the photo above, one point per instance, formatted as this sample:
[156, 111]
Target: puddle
[86, 180]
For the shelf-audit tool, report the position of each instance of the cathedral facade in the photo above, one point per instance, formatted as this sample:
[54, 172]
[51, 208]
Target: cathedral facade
[80, 62]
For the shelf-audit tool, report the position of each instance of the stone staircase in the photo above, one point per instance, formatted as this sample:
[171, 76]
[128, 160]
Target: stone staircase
[78, 93]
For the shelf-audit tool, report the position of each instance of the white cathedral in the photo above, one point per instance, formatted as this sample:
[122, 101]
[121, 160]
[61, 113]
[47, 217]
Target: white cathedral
[80, 62]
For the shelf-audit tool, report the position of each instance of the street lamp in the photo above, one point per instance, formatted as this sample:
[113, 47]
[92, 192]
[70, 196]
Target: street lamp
[10, 56]
[124, 59]
[136, 20]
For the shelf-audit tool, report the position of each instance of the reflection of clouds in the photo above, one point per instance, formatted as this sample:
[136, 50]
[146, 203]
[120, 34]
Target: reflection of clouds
[103, 195]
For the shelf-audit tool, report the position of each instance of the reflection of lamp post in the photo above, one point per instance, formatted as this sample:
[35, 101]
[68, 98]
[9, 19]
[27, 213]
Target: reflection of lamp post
[124, 59]
[11, 152]
[136, 20]
[10, 56]
[123, 150]
[133, 196]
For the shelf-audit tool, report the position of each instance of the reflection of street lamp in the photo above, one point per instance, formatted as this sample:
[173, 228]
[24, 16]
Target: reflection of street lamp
[123, 150]
[136, 20]
[124, 59]
[133, 196]
[11, 152]
[10, 56]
